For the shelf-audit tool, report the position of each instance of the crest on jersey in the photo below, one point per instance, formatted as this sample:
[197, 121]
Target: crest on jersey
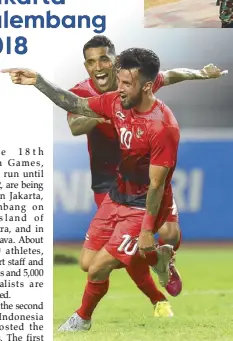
[139, 133]
[120, 115]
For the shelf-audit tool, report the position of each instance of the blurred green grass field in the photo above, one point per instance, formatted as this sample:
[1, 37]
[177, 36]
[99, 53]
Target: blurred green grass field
[203, 312]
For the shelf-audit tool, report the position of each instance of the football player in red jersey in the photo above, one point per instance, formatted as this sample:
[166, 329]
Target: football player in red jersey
[99, 54]
[104, 151]
[149, 136]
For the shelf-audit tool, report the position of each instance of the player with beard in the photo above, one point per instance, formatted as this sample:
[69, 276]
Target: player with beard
[141, 198]
[149, 137]
[103, 146]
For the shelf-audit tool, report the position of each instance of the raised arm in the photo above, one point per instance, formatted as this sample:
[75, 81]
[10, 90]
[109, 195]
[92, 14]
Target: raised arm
[179, 75]
[62, 98]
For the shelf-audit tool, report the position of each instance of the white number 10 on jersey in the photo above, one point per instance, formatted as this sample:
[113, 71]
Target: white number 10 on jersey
[126, 137]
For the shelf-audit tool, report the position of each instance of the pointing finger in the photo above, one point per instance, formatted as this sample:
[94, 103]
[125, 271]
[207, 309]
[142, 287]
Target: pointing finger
[10, 70]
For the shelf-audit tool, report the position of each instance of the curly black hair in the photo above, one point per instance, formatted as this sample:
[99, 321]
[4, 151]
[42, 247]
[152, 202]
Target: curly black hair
[99, 41]
[146, 61]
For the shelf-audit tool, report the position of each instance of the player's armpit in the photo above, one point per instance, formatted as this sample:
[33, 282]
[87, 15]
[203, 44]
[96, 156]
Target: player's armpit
[158, 175]
[80, 125]
[64, 99]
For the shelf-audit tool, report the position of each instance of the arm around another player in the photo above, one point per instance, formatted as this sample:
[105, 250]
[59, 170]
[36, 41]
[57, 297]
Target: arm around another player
[81, 125]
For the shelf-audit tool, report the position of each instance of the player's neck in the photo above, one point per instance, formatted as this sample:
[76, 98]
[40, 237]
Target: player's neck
[146, 104]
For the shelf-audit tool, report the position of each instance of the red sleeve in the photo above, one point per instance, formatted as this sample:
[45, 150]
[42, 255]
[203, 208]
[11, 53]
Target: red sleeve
[164, 146]
[102, 105]
[158, 83]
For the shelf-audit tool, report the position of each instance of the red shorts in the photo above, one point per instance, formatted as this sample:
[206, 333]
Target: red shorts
[117, 227]
[99, 198]
[172, 217]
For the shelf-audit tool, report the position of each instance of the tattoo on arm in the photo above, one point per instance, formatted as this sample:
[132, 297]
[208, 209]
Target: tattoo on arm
[64, 99]
[82, 125]
[179, 75]
[153, 199]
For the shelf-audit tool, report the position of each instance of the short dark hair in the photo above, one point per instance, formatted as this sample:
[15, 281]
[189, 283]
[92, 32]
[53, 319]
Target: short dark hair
[146, 61]
[99, 41]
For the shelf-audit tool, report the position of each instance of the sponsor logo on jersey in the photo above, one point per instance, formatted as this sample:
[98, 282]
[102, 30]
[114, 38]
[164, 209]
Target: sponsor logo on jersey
[120, 115]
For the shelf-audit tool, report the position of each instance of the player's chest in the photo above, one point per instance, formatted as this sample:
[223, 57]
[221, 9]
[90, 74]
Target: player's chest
[132, 135]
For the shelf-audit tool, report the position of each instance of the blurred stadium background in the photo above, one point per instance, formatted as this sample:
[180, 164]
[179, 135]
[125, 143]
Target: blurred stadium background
[202, 181]
[203, 185]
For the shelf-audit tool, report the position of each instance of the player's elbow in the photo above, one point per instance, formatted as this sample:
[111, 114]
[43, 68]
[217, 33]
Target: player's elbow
[77, 131]
[171, 77]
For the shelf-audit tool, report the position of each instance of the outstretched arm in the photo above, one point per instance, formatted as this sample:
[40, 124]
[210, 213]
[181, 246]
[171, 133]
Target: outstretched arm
[179, 75]
[62, 98]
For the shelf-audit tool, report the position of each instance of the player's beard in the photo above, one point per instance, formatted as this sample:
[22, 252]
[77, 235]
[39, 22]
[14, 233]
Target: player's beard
[132, 102]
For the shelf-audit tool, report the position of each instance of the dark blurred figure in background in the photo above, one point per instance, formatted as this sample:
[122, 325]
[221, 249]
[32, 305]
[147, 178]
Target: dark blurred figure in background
[226, 13]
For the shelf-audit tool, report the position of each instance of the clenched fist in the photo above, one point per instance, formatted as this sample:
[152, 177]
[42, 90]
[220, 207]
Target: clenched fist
[212, 71]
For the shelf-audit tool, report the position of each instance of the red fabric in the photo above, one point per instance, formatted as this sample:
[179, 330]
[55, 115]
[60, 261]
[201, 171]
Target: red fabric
[93, 293]
[148, 222]
[139, 271]
[117, 227]
[99, 197]
[149, 138]
[158, 83]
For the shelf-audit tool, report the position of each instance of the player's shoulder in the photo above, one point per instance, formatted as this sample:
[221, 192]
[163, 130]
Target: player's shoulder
[112, 95]
[112, 99]
[166, 114]
[163, 120]
[161, 133]
[84, 89]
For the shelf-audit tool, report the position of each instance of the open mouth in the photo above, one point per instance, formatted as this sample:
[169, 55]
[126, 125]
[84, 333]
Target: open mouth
[102, 78]
[123, 97]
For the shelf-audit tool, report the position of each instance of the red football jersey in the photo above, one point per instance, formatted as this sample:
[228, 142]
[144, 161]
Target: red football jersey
[145, 138]
[103, 144]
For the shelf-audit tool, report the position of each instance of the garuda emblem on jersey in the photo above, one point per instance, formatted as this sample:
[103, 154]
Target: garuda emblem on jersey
[139, 133]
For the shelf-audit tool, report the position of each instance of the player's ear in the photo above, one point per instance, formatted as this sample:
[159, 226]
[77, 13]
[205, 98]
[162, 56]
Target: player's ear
[147, 86]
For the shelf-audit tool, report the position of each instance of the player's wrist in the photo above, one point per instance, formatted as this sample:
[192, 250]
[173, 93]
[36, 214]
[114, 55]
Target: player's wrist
[148, 223]
[202, 74]
[37, 79]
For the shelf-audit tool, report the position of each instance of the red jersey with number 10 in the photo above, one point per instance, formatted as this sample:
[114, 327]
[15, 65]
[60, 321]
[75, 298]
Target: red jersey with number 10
[145, 138]
[103, 144]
